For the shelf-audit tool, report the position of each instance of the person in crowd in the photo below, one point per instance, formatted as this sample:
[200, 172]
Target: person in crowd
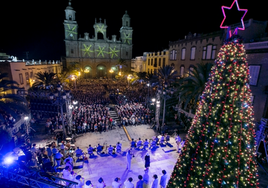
[54, 152]
[69, 164]
[145, 144]
[100, 183]
[128, 183]
[133, 143]
[118, 147]
[140, 182]
[116, 183]
[80, 181]
[163, 180]
[139, 143]
[88, 184]
[79, 153]
[66, 173]
[155, 182]
[90, 151]
[99, 149]
[110, 150]
[129, 157]
[70, 160]
[146, 179]
[49, 152]
[147, 161]
[58, 157]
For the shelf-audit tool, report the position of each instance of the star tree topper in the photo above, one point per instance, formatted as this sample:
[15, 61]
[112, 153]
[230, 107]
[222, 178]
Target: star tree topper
[242, 21]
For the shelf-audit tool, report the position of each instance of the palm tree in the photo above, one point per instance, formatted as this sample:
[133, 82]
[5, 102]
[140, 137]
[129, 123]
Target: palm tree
[166, 75]
[10, 103]
[192, 87]
[45, 80]
[121, 64]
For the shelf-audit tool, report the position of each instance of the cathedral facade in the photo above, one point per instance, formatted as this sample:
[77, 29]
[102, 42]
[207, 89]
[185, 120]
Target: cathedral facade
[99, 54]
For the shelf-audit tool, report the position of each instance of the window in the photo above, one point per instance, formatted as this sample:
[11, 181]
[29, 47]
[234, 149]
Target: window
[155, 62]
[151, 62]
[159, 62]
[209, 52]
[182, 70]
[193, 49]
[148, 61]
[214, 52]
[191, 69]
[204, 53]
[254, 71]
[27, 76]
[72, 51]
[126, 53]
[21, 78]
[31, 74]
[173, 55]
[164, 62]
[183, 54]
[127, 23]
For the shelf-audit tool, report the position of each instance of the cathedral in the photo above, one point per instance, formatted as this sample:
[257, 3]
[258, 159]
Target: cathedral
[99, 54]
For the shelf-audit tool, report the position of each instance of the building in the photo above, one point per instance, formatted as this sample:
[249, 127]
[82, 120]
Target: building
[257, 58]
[98, 54]
[23, 72]
[138, 64]
[198, 48]
[156, 60]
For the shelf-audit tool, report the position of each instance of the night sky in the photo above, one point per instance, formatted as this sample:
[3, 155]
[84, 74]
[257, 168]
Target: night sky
[36, 26]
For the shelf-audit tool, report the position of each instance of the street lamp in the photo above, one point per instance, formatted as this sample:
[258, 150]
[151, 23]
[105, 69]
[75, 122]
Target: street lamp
[111, 71]
[128, 78]
[73, 78]
[60, 98]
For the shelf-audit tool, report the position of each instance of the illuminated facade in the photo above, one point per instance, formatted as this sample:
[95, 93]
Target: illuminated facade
[23, 72]
[156, 60]
[198, 48]
[96, 55]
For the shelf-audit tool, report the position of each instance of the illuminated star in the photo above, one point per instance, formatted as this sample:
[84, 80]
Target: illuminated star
[71, 31]
[242, 21]
[101, 51]
[87, 50]
[127, 38]
[113, 52]
[100, 29]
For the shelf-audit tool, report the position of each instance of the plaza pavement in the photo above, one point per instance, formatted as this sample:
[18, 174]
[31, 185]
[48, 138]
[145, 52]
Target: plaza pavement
[109, 167]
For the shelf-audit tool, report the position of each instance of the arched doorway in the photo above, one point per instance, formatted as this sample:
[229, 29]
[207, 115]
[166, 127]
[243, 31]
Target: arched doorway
[87, 72]
[101, 71]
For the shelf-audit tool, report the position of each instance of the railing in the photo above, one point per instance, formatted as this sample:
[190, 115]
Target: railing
[188, 114]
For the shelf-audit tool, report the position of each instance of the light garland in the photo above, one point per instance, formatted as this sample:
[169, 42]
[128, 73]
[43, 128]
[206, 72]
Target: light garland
[220, 147]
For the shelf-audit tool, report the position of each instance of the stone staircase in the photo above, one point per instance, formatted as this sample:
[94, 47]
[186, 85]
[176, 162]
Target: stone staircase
[113, 115]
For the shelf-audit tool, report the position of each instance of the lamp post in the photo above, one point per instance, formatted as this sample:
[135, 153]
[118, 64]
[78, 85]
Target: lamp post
[128, 78]
[60, 98]
[162, 92]
[111, 71]
[26, 124]
[73, 78]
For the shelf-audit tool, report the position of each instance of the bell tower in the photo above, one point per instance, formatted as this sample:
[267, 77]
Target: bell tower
[70, 25]
[126, 31]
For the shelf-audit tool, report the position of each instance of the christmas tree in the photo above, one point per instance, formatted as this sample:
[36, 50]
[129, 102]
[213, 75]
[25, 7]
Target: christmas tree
[220, 146]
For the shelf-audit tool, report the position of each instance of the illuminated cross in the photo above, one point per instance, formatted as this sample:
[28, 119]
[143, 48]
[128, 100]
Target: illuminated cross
[100, 29]
[242, 21]
[101, 51]
[87, 50]
[127, 38]
[71, 30]
[113, 52]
